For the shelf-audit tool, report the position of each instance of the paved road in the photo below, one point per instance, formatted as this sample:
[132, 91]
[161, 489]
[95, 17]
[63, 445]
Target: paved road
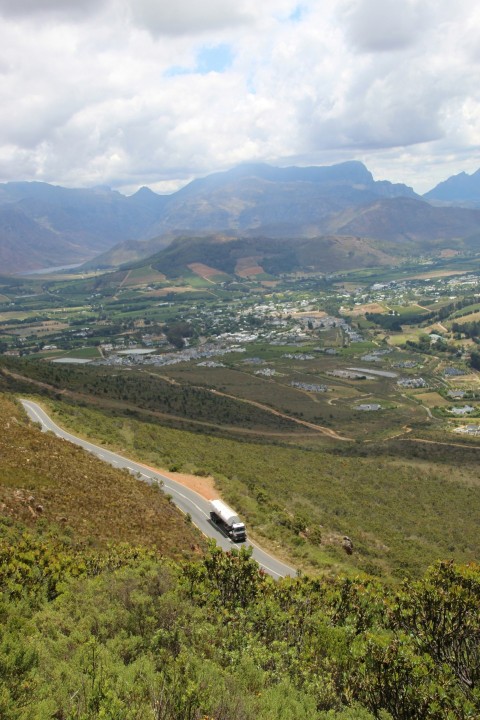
[185, 499]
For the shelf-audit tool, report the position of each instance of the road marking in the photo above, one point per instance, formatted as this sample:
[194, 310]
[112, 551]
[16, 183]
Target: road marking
[185, 497]
[271, 556]
[265, 567]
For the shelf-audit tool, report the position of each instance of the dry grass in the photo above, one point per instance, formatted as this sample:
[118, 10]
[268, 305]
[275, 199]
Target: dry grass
[472, 317]
[433, 399]
[368, 308]
[434, 274]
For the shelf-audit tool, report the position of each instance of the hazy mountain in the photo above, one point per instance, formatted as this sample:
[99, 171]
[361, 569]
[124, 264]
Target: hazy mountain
[409, 225]
[385, 230]
[261, 196]
[27, 245]
[128, 252]
[43, 225]
[258, 199]
[461, 189]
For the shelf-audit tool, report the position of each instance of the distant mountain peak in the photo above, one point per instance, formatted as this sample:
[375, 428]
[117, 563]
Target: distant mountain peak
[351, 171]
[459, 189]
[102, 189]
[144, 191]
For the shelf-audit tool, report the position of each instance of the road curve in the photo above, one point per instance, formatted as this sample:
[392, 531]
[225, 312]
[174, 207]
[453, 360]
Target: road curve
[188, 501]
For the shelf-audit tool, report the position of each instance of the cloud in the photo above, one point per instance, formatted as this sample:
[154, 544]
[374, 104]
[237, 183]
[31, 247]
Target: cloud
[385, 25]
[154, 92]
[184, 17]
[66, 8]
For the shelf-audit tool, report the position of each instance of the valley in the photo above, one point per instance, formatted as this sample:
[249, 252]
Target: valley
[395, 345]
[360, 387]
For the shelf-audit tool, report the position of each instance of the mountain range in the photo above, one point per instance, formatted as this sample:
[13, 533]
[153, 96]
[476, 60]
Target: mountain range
[44, 225]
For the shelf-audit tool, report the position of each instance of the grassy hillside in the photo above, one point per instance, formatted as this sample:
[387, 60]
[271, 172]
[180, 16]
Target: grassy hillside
[46, 481]
[275, 256]
[401, 514]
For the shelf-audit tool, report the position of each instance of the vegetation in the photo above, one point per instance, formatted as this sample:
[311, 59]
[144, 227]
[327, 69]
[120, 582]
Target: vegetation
[109, 606]
[138, 391]
[45, 481]
[126, 635]
[402, 514]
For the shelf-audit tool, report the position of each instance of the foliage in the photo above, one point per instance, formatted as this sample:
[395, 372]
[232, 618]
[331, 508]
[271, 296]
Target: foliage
[475, 360]
[386, 321]
[131, 636]
[469, 329]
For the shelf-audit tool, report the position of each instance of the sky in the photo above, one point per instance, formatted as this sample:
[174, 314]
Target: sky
[127, 93]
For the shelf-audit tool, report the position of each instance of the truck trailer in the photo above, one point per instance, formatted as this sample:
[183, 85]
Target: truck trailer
[228, 520]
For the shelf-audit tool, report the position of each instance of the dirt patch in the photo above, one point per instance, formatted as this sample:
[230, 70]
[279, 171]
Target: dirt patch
[312, 313]
[204, 486]
[368, 308]
[248, 266]
[448, 253]
[204, 271]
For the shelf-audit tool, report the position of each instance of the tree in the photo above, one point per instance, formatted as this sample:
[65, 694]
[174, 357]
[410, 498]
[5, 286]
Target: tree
[475, 360]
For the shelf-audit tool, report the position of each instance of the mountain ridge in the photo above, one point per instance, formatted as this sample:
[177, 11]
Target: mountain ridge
[460, 189]
[43, 225]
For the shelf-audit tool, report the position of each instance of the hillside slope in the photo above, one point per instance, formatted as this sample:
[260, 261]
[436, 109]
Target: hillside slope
[229, 254]
[411, 224]
[74, 224]
[46, 480]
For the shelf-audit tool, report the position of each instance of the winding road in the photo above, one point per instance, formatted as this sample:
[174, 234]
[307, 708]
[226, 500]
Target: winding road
[188, 501]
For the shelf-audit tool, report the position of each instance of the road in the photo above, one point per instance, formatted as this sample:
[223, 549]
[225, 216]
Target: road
[188, 501]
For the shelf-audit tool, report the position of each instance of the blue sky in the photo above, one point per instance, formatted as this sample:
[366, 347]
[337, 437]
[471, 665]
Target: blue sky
[209, 58]
[216, 58]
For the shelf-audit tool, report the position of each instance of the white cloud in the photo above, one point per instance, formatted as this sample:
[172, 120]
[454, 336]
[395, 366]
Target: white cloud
[396, 84]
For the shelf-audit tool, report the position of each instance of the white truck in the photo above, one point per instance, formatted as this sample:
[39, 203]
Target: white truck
[228, 520]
